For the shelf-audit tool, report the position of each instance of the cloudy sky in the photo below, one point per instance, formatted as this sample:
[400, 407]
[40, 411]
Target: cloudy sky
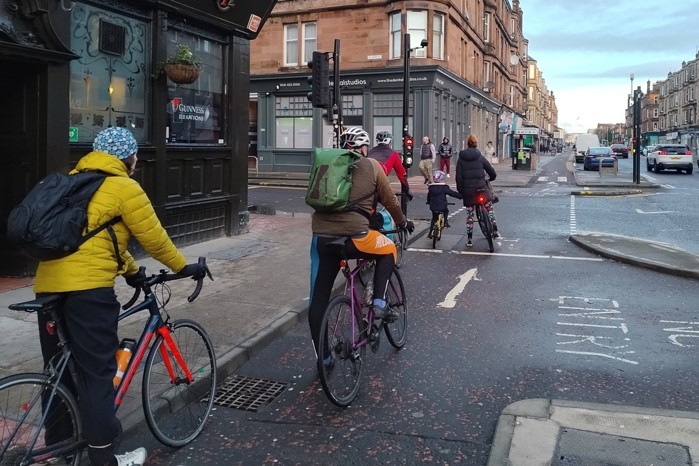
[588, 49]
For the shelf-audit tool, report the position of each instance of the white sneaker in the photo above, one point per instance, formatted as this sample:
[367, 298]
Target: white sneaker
[132, 458]
[448, 175]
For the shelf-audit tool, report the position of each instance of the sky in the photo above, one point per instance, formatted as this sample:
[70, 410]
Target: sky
[587, 50]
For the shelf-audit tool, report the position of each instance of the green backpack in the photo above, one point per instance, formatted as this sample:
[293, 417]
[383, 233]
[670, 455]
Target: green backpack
[331, 180]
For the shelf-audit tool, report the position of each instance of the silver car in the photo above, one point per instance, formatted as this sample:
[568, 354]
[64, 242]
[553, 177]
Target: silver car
[670, 157]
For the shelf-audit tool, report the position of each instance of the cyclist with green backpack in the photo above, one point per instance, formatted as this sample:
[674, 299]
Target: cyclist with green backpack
[369, 185]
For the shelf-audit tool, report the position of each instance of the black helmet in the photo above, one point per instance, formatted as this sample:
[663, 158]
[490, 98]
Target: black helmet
[384, 137]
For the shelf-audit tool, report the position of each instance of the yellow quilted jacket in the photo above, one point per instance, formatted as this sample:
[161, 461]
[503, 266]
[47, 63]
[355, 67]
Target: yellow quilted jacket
[94, 265]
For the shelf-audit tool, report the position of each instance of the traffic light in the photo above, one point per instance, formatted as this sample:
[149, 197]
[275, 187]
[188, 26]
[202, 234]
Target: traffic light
[408, 151]
[319, 80]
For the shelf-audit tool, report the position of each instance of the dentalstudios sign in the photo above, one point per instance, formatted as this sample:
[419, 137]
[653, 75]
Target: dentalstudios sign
[244, 17]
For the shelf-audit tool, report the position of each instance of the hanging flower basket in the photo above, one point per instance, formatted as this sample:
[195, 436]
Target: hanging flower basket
[180, 73]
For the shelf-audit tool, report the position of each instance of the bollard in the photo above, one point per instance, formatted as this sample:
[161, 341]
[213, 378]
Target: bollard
[614, 169]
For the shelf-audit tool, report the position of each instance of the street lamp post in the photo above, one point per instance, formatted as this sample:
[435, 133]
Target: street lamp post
[631, 99]
[407, 157]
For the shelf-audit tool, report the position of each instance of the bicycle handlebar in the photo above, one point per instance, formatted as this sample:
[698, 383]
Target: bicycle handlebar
[148, 282]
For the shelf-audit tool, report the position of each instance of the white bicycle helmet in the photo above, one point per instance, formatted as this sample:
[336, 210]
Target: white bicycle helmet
[354, 138]
[384, 137]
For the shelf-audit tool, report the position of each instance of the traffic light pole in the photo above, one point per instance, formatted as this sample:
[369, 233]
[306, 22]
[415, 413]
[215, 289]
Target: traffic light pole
[637, 135]
[406, 107]
[337, 96]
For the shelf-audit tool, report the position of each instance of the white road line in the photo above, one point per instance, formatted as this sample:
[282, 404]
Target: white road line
[639, 211]
[562, 179]
[543, 178]
[502, 254]
[573, 226]
[588, 353]
[450, 298]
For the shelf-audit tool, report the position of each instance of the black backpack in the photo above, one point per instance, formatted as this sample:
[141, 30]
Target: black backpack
[49, 223]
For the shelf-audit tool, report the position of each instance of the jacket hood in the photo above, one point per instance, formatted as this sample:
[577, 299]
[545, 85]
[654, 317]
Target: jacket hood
[470, 154]
[103, 162]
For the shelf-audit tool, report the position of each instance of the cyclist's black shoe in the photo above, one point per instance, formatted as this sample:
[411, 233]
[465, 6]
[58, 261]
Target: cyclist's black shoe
[469, 243]
[385, 313]
[429, 235]
[446, 224]
[496, 234]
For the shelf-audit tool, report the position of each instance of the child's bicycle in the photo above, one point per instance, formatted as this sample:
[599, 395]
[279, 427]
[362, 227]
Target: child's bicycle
[439, 225]
[484, 220]
[349, 326]
[39, 415]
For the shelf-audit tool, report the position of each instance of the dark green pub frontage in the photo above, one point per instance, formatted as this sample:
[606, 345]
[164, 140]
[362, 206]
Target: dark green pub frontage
[73, 68]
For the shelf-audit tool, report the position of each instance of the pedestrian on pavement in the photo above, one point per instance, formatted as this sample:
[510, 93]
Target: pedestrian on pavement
[437, 199]
[427, 156]
[369, 185]
[445, 153]
[86, 279]
[471, 169]
[390, 160]
[490, 153]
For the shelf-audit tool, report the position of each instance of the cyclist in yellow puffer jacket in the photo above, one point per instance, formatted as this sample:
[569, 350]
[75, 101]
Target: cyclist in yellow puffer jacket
[90, 308]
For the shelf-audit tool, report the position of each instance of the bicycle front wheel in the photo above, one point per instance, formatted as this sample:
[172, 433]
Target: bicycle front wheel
[340, 358]
[401, 245]
[175, 408]
[486, 224]
[24, 439]
[397, 331]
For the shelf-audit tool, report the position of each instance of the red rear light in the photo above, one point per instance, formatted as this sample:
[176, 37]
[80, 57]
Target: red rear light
[688, 153]
[343, 263]
[481, 199]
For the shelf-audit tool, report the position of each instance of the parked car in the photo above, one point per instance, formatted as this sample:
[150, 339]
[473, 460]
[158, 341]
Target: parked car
[596, 155]
[620, 150]
[582, 143]
[670, 157]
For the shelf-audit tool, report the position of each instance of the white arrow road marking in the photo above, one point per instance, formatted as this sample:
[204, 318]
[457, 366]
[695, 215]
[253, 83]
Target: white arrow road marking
[639, 211]
[450, 298]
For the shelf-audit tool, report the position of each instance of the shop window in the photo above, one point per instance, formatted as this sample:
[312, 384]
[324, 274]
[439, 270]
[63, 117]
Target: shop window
[109, 82]
[196, 111]
[294, 123]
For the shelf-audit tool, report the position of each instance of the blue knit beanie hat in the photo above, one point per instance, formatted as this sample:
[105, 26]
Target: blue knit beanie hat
[116, 141]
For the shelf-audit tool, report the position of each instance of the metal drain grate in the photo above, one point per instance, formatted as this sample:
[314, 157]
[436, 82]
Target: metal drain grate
[248, 393]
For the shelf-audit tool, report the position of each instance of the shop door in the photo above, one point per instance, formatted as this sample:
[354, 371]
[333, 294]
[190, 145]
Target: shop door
[19, 158]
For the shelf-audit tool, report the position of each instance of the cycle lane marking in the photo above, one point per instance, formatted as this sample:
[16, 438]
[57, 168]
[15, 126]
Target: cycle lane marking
[450, 299]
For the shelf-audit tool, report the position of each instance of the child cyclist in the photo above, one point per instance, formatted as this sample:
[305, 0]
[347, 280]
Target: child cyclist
[437, 199]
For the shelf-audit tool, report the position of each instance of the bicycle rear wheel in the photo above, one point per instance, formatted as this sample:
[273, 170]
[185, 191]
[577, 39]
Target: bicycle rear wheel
[340, 331]
[176, 410]
[23, 400]
[397, 331]
[486, 224]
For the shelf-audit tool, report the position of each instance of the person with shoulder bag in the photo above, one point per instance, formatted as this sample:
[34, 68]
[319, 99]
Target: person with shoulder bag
[427, 156]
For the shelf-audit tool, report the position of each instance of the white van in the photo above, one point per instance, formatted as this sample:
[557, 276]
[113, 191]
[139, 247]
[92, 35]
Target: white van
[582, 143]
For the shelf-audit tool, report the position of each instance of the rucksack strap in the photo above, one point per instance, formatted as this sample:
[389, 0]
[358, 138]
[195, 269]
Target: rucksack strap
[108, 226]
[353, 206]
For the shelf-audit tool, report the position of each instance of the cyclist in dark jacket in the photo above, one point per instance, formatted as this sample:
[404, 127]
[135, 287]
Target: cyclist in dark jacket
[470, 177]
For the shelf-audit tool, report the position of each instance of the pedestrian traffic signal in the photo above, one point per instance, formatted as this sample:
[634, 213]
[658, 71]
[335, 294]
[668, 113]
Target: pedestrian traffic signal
[408, 151]
[319, 80]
